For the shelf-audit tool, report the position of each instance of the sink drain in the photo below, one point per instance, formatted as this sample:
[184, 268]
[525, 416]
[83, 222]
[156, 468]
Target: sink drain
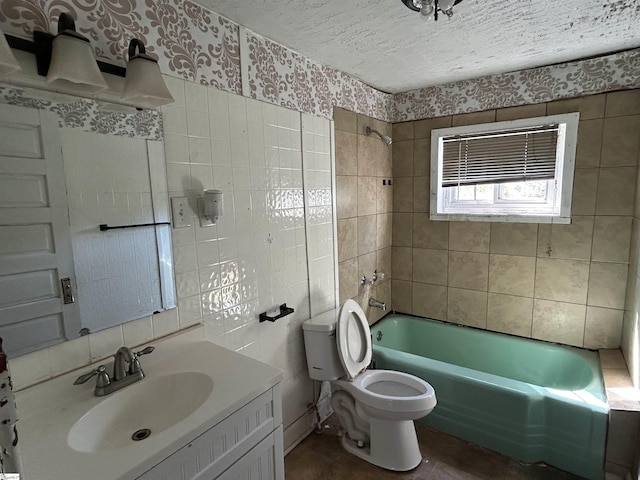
[140, 434]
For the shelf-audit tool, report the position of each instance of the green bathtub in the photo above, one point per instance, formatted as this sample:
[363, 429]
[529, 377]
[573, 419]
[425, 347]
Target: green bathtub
[531, 400]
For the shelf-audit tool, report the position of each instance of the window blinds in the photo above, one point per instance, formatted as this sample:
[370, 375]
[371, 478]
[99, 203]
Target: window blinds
[500, 156]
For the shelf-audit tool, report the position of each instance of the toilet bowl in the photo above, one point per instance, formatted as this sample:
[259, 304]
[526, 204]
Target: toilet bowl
[375, 407]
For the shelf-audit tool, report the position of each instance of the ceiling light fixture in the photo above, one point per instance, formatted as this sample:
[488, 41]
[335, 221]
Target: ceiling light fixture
[430, 8]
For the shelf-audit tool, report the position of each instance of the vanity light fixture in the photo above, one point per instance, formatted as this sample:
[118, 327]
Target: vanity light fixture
[144, 86]
[73, 64]
[8, 62]
[210, 207]
[430, 8]
[68, 62]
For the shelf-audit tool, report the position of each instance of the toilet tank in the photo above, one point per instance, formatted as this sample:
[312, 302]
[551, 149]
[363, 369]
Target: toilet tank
[321, 348]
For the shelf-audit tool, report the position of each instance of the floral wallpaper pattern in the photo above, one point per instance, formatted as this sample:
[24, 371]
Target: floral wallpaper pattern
[197, 44]
[536, 85]
[89, 115]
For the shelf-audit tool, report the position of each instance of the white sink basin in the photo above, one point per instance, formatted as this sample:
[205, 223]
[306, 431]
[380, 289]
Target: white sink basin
[153, 403]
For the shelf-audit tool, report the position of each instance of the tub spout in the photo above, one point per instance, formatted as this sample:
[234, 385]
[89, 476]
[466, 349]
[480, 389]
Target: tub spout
[377, 304]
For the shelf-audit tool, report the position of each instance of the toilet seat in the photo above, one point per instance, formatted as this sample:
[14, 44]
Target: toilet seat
[353, 338]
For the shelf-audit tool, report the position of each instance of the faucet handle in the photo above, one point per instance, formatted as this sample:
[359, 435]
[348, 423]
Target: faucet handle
[144, 351]
[135, 363]
[101, 371]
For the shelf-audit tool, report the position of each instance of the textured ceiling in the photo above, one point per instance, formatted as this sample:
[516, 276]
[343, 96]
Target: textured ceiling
[393, 49]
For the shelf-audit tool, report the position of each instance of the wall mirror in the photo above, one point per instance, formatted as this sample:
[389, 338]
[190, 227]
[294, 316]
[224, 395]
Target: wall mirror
[67, 166]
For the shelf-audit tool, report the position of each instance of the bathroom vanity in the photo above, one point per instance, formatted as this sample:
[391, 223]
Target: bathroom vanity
[212, 414]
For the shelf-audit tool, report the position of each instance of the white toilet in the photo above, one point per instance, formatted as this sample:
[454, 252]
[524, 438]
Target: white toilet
[376, 407]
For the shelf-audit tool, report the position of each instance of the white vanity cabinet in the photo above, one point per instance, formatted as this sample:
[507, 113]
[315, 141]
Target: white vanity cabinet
[246, 445]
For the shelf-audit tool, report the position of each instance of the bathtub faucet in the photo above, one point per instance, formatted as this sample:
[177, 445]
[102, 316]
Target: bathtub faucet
[377, 304]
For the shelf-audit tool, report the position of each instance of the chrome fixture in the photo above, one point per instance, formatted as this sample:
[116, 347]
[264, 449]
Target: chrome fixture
[122, 376]
[371, 281]
[430, 8]
[68, 61]
[385, 138]
[377, 304]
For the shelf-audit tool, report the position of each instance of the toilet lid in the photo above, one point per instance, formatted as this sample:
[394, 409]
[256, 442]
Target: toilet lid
[354, 339]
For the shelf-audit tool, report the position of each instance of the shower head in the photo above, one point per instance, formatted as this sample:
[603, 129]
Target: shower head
[385, 138]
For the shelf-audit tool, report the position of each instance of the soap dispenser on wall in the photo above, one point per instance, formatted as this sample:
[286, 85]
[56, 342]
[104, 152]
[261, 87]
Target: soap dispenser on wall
[210, 207]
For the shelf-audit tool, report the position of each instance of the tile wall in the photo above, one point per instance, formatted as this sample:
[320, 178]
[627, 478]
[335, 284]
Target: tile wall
[562, 283]
[264, 248]
[631, 324]
[364, 209]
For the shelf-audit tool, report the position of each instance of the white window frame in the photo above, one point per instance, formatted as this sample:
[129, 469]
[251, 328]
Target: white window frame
[509, 212]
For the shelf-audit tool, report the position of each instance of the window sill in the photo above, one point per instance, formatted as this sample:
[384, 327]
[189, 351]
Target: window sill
[465, 217]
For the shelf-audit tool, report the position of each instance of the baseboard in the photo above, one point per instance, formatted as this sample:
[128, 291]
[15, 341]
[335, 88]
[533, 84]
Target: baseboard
[299, 430]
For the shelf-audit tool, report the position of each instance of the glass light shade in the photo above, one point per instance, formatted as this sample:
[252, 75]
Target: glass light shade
[8, 62]
[445, 5]
[144, 86]
[73, 66]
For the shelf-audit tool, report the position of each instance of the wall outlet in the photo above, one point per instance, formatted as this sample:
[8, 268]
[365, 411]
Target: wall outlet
[181, 213]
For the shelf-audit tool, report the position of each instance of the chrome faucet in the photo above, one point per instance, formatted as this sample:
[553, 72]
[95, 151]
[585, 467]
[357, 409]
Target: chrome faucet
[377, 304]
[122, 376]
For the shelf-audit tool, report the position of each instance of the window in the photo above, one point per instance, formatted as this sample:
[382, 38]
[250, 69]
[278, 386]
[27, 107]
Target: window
[519, 171]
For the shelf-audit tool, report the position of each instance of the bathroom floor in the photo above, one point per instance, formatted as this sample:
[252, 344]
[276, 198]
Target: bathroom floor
[321, 457]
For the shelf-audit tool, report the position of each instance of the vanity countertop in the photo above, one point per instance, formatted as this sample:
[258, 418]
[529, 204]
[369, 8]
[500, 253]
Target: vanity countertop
[48, 411]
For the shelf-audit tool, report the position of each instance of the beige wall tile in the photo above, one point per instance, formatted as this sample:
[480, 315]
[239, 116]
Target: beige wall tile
[469, 236]
[348, 278]
[368, 153]
[367, 234]
[430, 301]
[366, 266]
[514, 238]
[382, 293]
[403, 159]
[344, 119]
[347, 239]
[467, 307]
[626, 102]
[383, 231]
[401, 296]
[607, 285]
[346, 196]
[384, 197]
[422, 157]
[402, 131]
[403, 194]
[512, 275]
[402, 229]
[524, 111]
[589, 144]
[429, 234]
[383, 264]
[509, 314]
[421, 194]
[468, 270]
[364, 121]
[621, 141]
[367, 195]
[488, 116]
[585, 186]
[589, 107]
[558, 322]
[603, 328]
[562, 280]
[402, 263]
[616, 191]
[422, 128]
[430, 266]
[346, 153]
[385, 161]
[611, 239]
[571, 241]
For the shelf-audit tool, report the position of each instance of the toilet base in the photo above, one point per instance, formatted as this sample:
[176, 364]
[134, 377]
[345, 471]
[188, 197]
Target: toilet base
[393, 446]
